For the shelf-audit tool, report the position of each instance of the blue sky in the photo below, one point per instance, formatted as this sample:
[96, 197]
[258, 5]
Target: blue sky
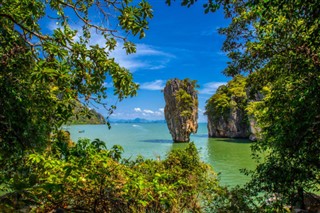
[181, 43]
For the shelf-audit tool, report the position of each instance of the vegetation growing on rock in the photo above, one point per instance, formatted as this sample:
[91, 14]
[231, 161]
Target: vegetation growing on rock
[226, 110]
[84, 115]
[227, 97]
[181, 110]
[281, 49]
[42, 75]
[277, 44]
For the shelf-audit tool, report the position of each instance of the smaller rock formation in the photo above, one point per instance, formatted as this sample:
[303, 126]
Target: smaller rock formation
[181, 110]
[254, 128]
[232, 125]
[226, 111]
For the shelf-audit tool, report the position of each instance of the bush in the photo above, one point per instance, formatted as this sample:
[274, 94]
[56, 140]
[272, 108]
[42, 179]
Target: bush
[87, 177]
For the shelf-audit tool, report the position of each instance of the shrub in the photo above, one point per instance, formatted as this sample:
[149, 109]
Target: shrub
[87, 177]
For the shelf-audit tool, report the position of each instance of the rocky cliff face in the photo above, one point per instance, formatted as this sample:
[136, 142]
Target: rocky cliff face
[254, 128]
[232, 125]
[226, 112]
[181, 110]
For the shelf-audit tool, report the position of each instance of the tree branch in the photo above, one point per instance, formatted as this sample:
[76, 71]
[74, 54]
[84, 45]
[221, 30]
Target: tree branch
[76, 10]
[24, 28]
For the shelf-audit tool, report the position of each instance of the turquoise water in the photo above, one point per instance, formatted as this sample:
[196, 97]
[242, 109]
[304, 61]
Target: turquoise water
[153, 140]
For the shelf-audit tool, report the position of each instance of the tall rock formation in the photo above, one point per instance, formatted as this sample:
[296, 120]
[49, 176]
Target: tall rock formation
[181, 110]
[226, 111]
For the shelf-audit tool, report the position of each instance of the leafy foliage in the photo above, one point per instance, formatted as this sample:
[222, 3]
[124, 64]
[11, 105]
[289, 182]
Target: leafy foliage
[43, 73]
[87, 177]
[185, 101]
[277, 43]
[84, 115]
[283, 50]
[228, 97]
[282, 47]
[210, 6]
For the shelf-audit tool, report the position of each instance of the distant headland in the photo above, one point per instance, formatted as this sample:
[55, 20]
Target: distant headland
[136, 120]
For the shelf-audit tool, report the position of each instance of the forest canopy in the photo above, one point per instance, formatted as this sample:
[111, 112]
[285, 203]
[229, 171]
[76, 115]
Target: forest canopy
[44, 76]
[276, 44]
[43, 73]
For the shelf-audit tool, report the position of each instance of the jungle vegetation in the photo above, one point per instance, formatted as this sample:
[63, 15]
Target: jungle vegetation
[84, 115]
[185, 101]
[43, 78]
[227, 97]
[275, 43]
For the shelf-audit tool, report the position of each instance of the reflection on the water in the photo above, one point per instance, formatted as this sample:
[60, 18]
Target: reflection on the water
[228, 156]
[156, 141]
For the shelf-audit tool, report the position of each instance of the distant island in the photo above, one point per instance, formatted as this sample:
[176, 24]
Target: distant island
[136, 120]
[84, 115]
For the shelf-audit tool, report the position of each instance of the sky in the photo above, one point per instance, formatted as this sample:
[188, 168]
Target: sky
[181, 43]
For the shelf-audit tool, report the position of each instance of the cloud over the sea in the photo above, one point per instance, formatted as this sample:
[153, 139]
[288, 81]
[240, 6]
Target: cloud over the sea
[211, 87]
[153, 85]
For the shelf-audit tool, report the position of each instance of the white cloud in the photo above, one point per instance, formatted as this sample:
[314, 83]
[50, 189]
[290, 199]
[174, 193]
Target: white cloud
[211, 87]
[52, 26]
[108, 84]
[158, 113]
[153, 85]
[137, 109]
[148, 111]
[138, 112]
[143, 49]
[146, 57]
[157, 67]
[116, 114]
[161, 109]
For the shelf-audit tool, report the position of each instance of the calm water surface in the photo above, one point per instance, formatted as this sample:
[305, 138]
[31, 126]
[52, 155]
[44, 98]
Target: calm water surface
[226, 156]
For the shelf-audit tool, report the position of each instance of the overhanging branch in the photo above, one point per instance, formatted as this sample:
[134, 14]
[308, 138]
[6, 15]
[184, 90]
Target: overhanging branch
[42, 37]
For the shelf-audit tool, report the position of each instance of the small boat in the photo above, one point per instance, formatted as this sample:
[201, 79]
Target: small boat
[81, 131]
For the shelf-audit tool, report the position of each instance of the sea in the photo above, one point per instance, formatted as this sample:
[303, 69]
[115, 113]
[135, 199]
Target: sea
[153, 140]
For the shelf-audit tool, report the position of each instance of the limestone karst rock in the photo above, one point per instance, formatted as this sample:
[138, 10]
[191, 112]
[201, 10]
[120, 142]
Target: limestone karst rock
[232, 125]
[226, 111]
[181, 110]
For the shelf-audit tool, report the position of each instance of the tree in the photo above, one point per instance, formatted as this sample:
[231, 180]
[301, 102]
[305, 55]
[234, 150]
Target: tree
[278, 43]
[43, 73]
